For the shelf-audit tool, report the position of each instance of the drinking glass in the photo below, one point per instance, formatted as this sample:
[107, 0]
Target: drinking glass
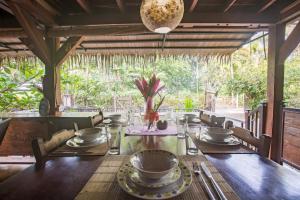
[191, 148]
[180, 127]
[113, 135]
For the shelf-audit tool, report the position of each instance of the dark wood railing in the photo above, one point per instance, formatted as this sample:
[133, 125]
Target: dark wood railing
[291, 136]
[255, 120]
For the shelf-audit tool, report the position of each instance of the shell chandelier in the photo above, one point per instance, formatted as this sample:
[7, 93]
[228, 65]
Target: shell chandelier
[161, 16]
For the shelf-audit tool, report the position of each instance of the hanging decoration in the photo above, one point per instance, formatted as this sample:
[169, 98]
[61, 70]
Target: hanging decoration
[161, 16]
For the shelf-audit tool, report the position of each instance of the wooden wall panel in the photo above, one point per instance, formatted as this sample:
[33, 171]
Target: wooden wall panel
[17, 140]
[291, 137]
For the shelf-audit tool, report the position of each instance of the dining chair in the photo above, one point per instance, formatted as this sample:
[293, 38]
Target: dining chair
[205, 118]
[217, 121]
[261, 144]
[3, 127]
[41, 148]
[97, 119]
[228, 124]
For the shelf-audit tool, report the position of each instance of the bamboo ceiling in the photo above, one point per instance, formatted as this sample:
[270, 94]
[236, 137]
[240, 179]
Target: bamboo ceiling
[209, 27]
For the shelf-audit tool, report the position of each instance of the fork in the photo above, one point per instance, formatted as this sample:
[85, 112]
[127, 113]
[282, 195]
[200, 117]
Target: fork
[197, 171]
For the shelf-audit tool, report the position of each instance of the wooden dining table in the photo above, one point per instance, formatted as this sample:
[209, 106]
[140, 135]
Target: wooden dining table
[250, 175]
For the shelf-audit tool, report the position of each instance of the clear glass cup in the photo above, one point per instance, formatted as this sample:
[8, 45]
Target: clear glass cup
[180, 128]
[191, 148]
[113, 135]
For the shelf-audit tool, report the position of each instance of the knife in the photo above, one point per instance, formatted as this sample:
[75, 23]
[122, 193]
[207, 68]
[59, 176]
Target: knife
[213, 181]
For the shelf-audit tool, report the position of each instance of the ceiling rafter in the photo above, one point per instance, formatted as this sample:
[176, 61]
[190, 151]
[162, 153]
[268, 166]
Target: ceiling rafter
[5, 7]
[290, 44]
[290, 12]
[34, 35]
[39, 12]
[194, 18]
[290, 6]
[193, 5]
[67, 48]
[229, 4]
[85, 5]
[121, 5]
[265, 5]
[48, 7]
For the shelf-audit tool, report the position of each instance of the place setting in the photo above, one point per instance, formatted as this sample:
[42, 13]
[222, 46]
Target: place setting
[87, 141]
[218, 136]
[217, 140]
[156, 174]
[143, 177]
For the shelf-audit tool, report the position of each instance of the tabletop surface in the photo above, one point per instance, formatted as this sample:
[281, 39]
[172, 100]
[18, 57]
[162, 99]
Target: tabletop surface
[251, 176]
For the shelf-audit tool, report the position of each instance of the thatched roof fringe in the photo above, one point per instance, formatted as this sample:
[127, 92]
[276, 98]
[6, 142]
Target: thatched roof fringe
[109, 63]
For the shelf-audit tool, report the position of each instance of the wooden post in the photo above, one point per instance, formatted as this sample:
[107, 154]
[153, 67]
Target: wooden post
[51, 82]
[262, 118]
[275, 90]
[247, 119]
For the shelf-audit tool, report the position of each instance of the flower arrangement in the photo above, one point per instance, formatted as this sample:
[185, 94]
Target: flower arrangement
[149, 90]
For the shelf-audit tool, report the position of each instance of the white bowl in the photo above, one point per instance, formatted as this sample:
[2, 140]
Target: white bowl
[154, 164]
[88, 134]
[218, 134]
[190, 116]
[114, 117]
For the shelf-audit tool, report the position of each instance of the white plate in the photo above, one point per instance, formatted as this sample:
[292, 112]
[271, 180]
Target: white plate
[230, 141]
[144, 182]
[72, 142]
[165, 192]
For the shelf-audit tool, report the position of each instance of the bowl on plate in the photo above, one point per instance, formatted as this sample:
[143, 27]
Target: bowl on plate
[190, 116]
[88, 134]
[218, 134]
[154, 164]
[114, 117]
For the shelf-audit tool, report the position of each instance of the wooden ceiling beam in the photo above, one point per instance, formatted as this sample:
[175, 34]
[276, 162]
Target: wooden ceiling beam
[48, 7]
[85, 5]
[90, 31]
[121, 5]
[290, 12]
[144, 41]
[32, 48]
[39, 12]
[5, 7]
[36, 36]
[66, 49]
[290, 6]
[290, 44]
[196, 19]
[157, 40]
[155, 48]
[266, 5]
[193, 5]
[228, 5]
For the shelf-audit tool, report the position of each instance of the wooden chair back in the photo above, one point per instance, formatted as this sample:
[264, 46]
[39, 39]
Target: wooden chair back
[41, 148]
[261, 145]
[3, 127]
[217, 121]
[97, 119]
[205, 118]
[228, 124]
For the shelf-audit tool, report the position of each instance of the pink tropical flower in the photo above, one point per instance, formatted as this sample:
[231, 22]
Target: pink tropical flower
[149, 89]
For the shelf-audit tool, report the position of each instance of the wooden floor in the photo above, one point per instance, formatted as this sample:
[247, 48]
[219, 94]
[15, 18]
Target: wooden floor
[8, 170]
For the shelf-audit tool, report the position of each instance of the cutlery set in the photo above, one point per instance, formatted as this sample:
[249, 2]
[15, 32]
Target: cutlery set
[202, 169]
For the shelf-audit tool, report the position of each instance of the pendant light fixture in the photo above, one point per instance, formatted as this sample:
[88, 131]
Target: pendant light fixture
[161, 16]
